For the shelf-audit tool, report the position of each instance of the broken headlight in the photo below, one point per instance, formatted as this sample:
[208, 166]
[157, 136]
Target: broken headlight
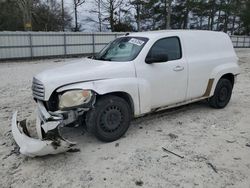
[74, 98]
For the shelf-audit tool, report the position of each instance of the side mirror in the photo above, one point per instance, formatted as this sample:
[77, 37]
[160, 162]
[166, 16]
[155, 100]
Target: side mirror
[159, 59]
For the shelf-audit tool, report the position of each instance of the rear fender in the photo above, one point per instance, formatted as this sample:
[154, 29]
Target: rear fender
[219, 71]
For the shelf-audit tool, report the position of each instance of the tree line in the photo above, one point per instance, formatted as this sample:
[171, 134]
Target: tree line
[230, 16]
[33, 15]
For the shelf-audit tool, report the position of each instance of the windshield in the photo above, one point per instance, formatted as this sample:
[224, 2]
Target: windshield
[122, 49]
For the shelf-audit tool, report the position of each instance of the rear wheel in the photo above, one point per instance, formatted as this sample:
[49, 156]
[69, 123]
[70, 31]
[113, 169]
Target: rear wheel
[110, 118]
[222, 94]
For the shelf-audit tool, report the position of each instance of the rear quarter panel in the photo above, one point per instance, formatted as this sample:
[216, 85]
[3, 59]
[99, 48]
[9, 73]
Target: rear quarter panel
[210, 55]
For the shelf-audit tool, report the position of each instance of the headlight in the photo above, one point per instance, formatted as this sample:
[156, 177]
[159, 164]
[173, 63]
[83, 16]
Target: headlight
[74, 98]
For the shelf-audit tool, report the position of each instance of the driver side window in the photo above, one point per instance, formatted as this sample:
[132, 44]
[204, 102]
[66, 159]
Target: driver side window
[168, 46]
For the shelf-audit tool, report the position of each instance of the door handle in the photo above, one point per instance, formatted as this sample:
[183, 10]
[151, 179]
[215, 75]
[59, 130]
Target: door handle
[179, 68]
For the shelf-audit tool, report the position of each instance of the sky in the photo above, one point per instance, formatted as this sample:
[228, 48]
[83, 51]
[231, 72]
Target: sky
[83, 13]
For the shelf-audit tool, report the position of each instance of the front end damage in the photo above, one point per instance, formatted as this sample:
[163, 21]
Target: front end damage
[35, 147]
[48, 124]
[49, 140]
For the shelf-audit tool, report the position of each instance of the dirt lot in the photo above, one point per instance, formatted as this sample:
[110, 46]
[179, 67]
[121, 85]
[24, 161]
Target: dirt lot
[213, 143]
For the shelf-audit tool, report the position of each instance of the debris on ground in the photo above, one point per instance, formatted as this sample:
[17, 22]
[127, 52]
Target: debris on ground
[212, 166]
[116, 144]
[73, 150]
[159, 130]
[237, 158]
[179, 123]
[164, 149]
[172, 136]
[205, 159]
[213, 126]
[139, 182]
[231, 141]
[248, 144]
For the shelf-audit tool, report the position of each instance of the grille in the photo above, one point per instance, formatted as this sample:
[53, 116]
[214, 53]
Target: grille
[37, 89]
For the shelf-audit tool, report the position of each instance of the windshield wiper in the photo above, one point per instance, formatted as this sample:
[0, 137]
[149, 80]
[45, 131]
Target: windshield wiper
[104, 59]
[91, 57]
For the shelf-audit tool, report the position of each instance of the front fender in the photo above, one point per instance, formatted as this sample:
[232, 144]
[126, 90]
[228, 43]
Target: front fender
[102, 87]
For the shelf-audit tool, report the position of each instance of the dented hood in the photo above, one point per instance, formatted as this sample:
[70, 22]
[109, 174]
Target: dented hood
[83, 70]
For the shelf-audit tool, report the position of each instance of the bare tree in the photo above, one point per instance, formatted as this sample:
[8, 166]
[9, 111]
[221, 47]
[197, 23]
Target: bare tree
[99, 14]
[62, 4]
[219, 15]
[169, 10]
[137, 5]
[110, 7]
[25, 7]
[211, 13]
[77, 3]
[98, 11]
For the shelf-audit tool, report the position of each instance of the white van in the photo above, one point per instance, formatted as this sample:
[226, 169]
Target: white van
[134, 75]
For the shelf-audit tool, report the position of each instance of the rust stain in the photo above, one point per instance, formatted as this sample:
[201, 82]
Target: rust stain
[209, 87]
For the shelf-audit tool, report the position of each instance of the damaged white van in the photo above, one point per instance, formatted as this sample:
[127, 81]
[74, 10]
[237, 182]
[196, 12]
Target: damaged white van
[134, 75]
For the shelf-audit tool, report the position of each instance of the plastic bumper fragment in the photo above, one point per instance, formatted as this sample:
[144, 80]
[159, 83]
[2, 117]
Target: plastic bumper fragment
[51, 143]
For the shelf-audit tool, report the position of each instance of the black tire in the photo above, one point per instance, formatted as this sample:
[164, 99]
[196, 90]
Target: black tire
[222, 94]
[109, 119]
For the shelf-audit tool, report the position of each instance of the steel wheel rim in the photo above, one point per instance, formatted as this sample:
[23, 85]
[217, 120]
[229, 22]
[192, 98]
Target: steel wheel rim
[111, 119]
[223, 95]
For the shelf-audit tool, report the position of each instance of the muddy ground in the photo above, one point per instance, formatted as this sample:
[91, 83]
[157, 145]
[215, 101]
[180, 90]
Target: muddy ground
[214, 143]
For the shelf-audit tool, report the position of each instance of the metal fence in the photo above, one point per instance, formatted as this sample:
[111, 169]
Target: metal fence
[17, 45]
[241, 41]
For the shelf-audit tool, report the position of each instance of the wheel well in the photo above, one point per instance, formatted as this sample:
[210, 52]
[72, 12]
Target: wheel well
[229, 77]
[124, 96]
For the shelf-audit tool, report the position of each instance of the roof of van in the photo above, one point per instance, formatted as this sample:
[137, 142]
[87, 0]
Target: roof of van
[159, 33]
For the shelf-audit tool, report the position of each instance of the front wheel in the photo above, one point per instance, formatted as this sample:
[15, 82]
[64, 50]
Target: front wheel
[222, 94]
[109, 119]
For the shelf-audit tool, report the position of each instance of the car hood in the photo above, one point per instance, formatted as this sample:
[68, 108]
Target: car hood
[83, 70]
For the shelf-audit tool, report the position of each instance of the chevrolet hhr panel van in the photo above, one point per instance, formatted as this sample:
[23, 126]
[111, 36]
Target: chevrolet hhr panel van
[134, 75]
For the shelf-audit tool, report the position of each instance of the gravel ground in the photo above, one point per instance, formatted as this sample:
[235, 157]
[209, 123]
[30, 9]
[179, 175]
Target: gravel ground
[214, 143]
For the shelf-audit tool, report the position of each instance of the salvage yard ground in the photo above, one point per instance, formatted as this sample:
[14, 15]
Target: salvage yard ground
[215, 143]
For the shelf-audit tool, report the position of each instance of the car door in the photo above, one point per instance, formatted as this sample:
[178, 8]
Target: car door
[167, 80]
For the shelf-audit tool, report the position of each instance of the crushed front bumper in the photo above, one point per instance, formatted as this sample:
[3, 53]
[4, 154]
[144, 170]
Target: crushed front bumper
[49, 140]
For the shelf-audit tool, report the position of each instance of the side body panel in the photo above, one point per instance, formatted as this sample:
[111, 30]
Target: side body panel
[210, 55]
[159, 83]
